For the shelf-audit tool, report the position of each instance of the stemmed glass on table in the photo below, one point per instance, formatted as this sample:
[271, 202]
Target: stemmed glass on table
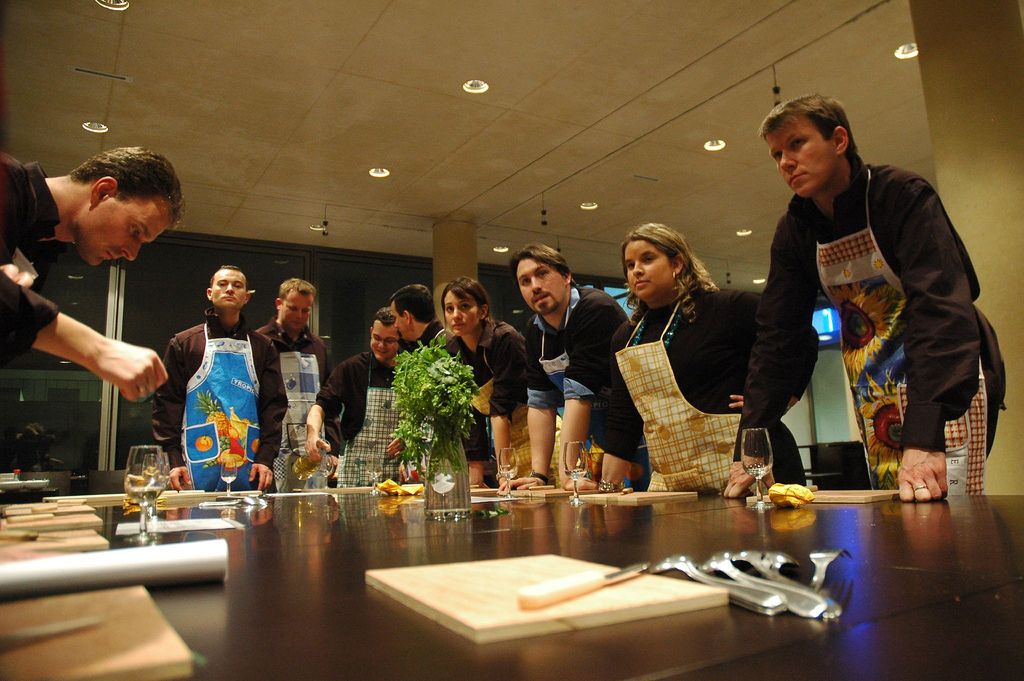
[756, 457]
[229, 466]
[374, 469]
[574, 461]
[507, 468]
[146, 476]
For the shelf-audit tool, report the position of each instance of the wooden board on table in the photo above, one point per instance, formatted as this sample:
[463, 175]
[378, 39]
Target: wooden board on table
[346, 490]
[63, 541]
[846, 496]
[639, 498]
[548, 492]
[74, 521]
[15, 510]
[484, 492]
[149, 649]
[168, 499]
[854, 496]
[478, 599]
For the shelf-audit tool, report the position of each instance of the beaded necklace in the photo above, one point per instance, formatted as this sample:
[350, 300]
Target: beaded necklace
[667, 337]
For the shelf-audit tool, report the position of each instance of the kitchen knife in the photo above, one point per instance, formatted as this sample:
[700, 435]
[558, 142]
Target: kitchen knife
[564, 588]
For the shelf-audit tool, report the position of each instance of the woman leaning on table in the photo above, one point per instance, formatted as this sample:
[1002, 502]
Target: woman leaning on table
[497, 354]
[680, 366]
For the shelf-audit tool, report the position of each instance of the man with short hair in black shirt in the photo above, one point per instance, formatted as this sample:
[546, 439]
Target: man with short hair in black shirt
[924, 367]
[359, 390]
[109, 206]
[567, 358]
[415, 316]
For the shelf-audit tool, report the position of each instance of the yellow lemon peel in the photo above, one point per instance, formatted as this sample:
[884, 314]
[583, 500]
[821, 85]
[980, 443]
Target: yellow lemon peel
[790, 496]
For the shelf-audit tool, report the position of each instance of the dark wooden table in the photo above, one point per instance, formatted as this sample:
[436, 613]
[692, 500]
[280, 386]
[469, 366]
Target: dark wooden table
[932, 592]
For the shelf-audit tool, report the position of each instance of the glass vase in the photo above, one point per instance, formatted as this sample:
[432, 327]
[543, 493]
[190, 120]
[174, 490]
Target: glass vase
[446, 484]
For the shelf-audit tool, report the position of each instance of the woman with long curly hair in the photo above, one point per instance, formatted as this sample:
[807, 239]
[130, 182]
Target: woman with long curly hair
[680, 365]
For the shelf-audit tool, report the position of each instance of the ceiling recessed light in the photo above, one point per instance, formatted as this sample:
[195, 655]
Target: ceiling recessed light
[475, 87]
[379, 172]
[714, 145]
[759, 280]
[744, 232]
[588, 205]
[76, 277]
[500, 249]
[115, 5]
[325, 337]
[95, 126]
[64, 361]
[908, 51]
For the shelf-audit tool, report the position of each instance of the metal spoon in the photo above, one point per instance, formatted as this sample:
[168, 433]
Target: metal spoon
[799, 599]
[770, 564]
[751, 597]
[821, 559]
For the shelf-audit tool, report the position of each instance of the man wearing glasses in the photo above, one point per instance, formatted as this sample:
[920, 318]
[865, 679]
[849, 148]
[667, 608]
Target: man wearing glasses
[359, 390]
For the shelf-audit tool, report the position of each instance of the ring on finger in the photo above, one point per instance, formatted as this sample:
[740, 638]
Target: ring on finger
[920, 487]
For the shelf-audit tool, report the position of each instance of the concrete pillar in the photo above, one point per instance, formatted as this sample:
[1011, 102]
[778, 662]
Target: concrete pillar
[972, 68]
[454, 255]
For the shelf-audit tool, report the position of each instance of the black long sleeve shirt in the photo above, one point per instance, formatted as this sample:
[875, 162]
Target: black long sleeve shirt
[944, 330]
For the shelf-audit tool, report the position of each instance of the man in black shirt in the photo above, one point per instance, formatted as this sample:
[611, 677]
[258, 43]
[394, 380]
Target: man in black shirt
[109, 206]
[415, 317]
[567, 358]
[359, 390]
[878, 241]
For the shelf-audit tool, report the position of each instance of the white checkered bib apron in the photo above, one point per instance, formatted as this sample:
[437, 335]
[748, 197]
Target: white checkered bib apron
[378, 430]
[689, 450]
[871, 304]
[300, 373]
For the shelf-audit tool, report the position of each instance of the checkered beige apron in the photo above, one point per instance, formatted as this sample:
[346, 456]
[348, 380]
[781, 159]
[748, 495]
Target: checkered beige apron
[871, 301]
[689, 450]
[378, 430]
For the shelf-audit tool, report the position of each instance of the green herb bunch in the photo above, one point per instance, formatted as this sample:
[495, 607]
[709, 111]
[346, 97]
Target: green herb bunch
[433, 395]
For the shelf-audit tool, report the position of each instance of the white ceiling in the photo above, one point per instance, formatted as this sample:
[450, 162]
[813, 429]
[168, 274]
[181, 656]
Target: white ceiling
[273, 110]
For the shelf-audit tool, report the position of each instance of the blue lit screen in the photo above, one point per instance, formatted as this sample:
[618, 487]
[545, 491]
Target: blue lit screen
[826, 323]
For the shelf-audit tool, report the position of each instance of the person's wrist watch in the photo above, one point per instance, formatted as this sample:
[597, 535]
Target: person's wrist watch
[606, 486]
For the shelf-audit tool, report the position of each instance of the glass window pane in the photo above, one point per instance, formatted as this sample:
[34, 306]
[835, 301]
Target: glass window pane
[351, 289]
[50, 408]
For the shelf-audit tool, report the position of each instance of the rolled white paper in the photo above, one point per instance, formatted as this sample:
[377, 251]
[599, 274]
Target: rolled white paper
[161, 565]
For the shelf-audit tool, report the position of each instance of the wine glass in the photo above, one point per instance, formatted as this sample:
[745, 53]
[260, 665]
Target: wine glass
[229, 466]
[146, 476]
[574, 461]
[756, 456]
[507, 468]
[374, 469]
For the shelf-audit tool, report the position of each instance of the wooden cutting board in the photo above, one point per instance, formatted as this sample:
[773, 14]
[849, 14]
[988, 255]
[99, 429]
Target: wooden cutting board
[134, 641]
[846, 496]
[63, 541]
[478, 599]
[347, 491]
[854, 496]
[74, 521]
[548, 493]
[17, 510]
[168, 499]
[639, 498]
